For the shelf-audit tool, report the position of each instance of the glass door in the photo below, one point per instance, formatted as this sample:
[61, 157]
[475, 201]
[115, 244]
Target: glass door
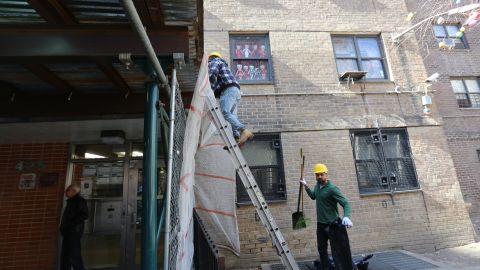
[110, 178]
[99, 170]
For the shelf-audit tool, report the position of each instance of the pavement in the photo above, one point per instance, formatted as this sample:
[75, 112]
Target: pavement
[458, 258]
[464, 257]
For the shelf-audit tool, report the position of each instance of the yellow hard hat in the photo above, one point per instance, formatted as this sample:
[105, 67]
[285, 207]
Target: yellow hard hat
[320, 168]
[217, 54]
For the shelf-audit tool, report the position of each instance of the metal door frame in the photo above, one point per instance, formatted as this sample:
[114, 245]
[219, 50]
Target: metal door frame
[129, 203]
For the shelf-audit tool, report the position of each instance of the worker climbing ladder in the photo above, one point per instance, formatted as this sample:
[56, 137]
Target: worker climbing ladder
[251, 185]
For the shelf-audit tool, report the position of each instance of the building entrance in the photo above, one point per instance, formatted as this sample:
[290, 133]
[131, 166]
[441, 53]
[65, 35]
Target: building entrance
[110, 177]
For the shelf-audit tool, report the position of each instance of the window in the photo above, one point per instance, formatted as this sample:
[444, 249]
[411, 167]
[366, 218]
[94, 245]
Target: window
[251, 58]
[354, 53]
[383, 160]
[467, 92]
[448, 34]
[264, 157]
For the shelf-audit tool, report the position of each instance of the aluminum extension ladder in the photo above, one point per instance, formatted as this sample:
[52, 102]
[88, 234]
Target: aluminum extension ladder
[251, 185]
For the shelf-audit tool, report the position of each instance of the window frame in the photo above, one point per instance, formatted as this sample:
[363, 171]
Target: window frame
[467, 92]
[242, 197]
[268, 59]
[359, 58]
[384, 164]
[447, 36]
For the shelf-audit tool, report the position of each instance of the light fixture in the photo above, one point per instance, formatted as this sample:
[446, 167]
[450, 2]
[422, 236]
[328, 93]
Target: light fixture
[179, 60]
[92, 155]
[426, 102]
[126, 60]
[137, 154]
[113, 136]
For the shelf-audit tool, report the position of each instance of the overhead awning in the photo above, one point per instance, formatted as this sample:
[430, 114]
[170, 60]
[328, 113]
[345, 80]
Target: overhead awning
[60, 57]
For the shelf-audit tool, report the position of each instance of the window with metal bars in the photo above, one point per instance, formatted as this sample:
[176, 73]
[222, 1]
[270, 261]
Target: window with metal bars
[383, 160]
[264, 157]
[467, 92]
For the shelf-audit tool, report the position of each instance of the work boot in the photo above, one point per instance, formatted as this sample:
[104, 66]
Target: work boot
[245, 135]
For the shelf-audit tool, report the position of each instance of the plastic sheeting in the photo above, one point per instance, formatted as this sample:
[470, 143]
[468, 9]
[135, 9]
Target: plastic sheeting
[207, 180]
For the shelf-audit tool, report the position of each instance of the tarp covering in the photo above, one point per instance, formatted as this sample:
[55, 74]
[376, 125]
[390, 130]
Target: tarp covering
[207, 180]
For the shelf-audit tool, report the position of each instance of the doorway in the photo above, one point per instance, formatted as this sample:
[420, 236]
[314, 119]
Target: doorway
[110, 177]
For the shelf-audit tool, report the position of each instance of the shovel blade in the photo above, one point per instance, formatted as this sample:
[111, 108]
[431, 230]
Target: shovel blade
[298, 221]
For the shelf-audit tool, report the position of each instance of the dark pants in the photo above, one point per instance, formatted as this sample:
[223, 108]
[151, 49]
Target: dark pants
[71, 256]
[339, 244]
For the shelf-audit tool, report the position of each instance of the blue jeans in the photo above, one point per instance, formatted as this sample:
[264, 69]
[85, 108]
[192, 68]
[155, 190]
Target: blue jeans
[229, 99]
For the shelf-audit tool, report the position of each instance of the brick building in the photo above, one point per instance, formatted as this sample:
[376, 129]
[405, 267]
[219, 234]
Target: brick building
[390, 159]
[457, 97]
[394, 163]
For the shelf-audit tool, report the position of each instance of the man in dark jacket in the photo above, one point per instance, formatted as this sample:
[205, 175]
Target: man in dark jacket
[329, 225]
[71, 228]
[226, 87]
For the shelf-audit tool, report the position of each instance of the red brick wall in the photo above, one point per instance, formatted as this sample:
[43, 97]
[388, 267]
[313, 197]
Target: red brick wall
[29, 218]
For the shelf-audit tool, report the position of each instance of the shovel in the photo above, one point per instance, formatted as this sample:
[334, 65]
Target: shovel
[298, 219]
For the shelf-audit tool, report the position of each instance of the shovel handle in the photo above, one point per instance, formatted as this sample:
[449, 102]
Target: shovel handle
[299, 198]
[300, 191]
[302, 167]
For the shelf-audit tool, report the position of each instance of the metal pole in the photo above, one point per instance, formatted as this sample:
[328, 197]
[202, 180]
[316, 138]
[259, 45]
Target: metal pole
[149, 194]
[168, 190]
[164, 131]
[137, 25]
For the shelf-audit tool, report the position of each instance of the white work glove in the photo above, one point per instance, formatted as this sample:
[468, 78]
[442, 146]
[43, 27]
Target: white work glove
[347, 222]
[303, 182]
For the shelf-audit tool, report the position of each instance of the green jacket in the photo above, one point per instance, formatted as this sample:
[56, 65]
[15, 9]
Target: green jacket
[326, 201]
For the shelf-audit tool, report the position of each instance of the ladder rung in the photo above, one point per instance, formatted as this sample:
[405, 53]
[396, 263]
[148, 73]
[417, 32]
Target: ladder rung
[253, 191]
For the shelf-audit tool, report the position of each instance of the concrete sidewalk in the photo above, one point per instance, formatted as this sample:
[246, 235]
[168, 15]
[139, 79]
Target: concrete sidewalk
[464, 257]
[458, 258]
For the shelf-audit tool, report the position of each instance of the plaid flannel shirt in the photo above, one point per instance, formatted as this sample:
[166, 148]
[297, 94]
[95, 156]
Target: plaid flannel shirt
[220, 75]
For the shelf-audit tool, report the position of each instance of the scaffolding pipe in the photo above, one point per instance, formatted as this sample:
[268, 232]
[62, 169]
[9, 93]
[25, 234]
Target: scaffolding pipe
[168, 189]
[137, 25]
[164, 134]
[149, 190]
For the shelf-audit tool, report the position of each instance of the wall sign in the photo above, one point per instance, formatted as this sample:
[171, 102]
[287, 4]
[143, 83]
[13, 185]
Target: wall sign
[30, 165]
[27, 181]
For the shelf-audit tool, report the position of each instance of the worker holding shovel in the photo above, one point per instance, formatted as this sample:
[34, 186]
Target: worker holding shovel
[329, 225]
